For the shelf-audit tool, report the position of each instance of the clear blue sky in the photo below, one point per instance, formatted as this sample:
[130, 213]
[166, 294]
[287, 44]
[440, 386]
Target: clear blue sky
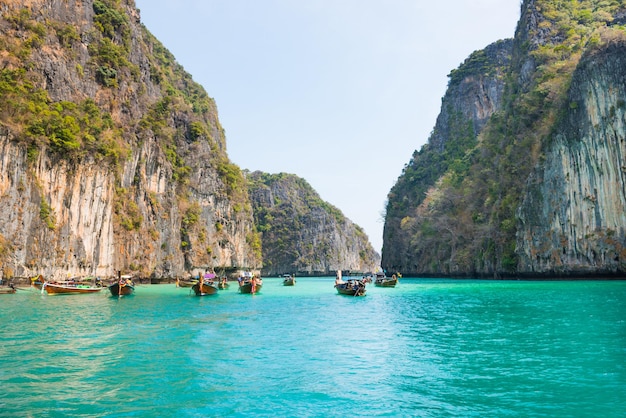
[339, 92]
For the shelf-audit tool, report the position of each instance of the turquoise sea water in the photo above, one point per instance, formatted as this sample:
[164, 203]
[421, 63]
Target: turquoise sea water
[427, 348]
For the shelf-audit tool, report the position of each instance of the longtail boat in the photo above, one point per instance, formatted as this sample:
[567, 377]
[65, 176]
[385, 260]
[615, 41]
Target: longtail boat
[250, 284]
[223, 284]
[124, 286]
[289, 280]
[351, 287]
[382, 281]
[186, 282]
[5, 290]
[204, 289]
[69, 288]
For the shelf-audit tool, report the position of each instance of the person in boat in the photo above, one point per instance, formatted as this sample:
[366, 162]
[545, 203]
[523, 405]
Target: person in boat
[210, 275]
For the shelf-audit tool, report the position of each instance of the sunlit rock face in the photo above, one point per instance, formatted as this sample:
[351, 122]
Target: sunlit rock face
[541, 190]
[573, 218]
[152, 192]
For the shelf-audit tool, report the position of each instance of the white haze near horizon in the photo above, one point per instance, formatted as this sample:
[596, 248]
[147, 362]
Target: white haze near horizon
[338, 92]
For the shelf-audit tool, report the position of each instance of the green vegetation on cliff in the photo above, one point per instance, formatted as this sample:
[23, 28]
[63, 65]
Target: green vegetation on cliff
[82, 128]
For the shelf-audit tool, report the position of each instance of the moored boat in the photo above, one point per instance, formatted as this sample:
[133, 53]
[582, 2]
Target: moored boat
[223, 284]
[289, 280]
[250, 284]
[351, 287]
[204, 289]
[124, 286]
[382, 281]
[186, 282]
[5, 290]
[69, 288]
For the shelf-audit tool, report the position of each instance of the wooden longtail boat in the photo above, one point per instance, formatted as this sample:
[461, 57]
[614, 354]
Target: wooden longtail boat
[223, 284]
[382, 281]
[124, 286]
[289, 280]
[204, 289]
[351, 288]
[69, 288]
[186, 282]
[252, 285]
[5, 290]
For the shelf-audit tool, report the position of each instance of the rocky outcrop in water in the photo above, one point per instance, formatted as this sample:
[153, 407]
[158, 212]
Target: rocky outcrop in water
[303, 234]
[475, 92]
[112, 157]
[573, 216]
[541, 192]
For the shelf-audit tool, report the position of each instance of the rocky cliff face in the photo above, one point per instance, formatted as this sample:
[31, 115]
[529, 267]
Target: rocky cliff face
[112, 158]
[541, 192]
[302, 234]
[573, 215]
[475, 93]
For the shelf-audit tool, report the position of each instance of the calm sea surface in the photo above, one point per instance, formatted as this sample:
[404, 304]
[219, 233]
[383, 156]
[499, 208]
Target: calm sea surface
[427, 348]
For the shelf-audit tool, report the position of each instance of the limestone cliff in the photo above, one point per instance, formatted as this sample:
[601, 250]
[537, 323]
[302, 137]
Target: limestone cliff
[111, 156]
[542, 191]
[474, 93]
[301, 233]
[573, 217]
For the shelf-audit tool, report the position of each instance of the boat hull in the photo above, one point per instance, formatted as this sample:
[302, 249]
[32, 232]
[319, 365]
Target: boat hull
[247, 288]
[186, 283]
[55, 289]
[5, 290]
[386, 282]
[126, 290]
[289, 282]
[204, 289]
[346, 289]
